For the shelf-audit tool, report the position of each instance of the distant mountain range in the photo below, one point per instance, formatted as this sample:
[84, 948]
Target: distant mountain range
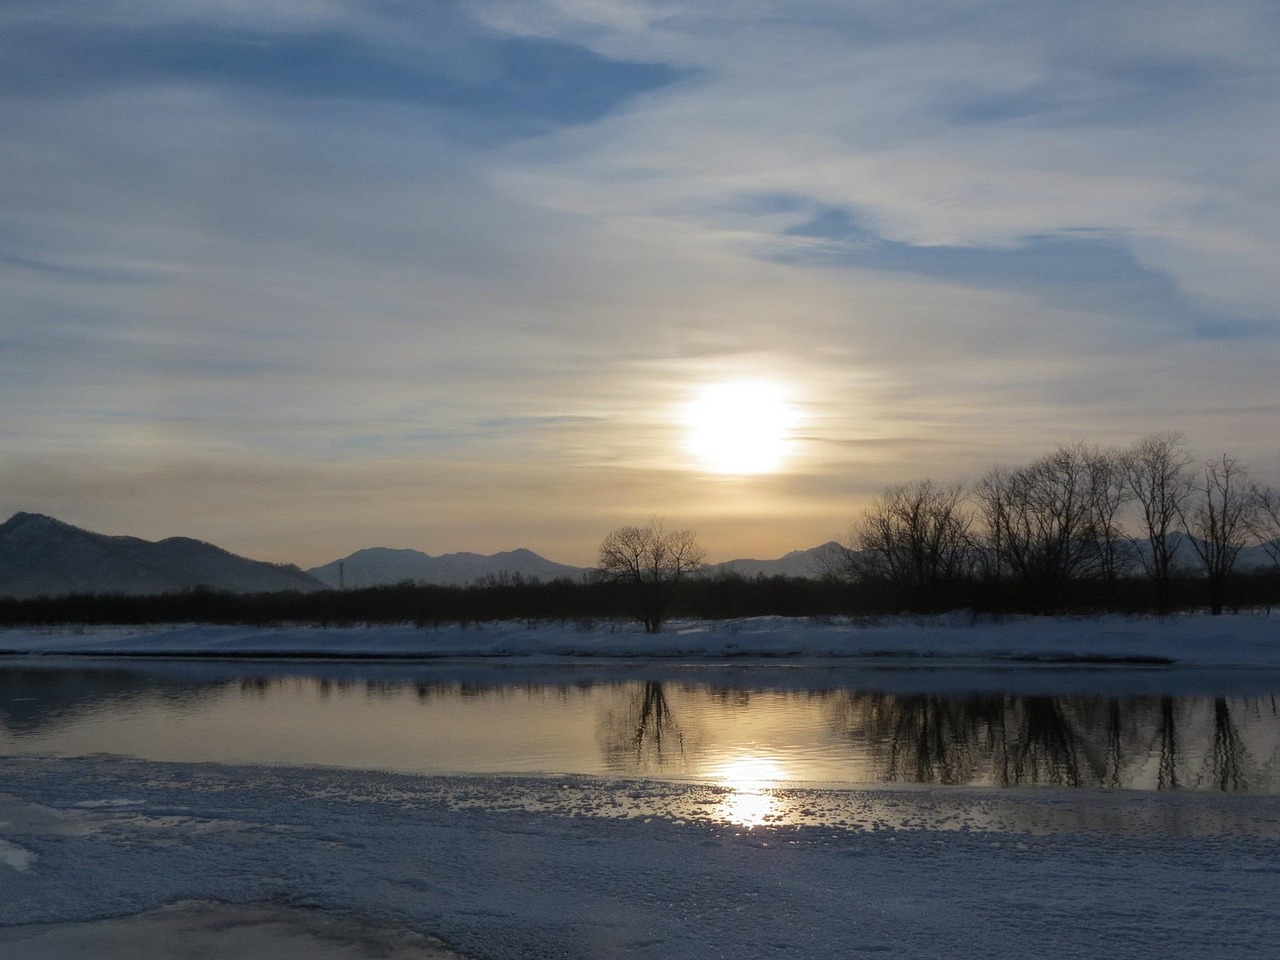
[813, 562]
[1185, 558]
[376, 566]
[41, 556]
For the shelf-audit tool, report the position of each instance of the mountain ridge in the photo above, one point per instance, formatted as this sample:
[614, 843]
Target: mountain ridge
[43, 556]
[379, 566]
[812, 562]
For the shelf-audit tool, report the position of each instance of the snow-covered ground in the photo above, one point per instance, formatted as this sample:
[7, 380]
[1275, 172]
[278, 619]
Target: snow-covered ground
[212, 930]
[1242, 641]
[592, 868]
[512, 869]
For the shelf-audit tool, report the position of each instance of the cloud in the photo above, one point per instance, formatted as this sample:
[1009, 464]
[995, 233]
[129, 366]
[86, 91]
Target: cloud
[1071, 269]
[490, 87]
[425, 259]
[475, 84]
[960, 124]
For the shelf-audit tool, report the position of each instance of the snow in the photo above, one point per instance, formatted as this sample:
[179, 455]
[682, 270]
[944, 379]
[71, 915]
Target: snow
[1202, 641]
[219, 931]
[592, 868]
[508, 868]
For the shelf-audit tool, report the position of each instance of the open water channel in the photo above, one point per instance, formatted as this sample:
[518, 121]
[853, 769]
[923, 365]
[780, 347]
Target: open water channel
[655, 810]
[755, 729]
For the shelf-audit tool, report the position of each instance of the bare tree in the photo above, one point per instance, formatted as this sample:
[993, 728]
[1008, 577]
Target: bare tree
[1041, 528]
[652, 560]
[1158, 475]
[1109, 492]
[1266, 521]
[1220, 520]
[992, 494]
[914, 539]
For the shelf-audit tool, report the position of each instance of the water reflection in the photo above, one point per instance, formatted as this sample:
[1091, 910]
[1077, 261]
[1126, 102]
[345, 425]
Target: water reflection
[748, 740]
[750, 801]
[644, 737]
[32, 699]
[1162, 743]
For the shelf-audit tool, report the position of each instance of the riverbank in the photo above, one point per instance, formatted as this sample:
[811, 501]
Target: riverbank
[1191, 640]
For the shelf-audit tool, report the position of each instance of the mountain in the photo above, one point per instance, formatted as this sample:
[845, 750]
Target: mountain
[384, 565]
[1250, 559]
[813, 562]
[41, 556]
[1255, 557]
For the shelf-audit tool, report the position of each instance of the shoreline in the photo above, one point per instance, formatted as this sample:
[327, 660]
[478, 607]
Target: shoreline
[214, 930]
[1240, 640]
[509, 869]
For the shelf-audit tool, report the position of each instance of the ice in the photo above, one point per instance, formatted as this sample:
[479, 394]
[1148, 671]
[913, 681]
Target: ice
[12, 855]
[503, 868]
[218, 931]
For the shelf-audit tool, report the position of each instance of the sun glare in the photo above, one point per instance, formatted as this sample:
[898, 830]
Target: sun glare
[749, 801]
[742, 427]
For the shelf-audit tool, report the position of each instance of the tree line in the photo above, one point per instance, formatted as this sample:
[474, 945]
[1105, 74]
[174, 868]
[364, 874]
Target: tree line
[1080, 528]
[576, 603]
[1078, 525]
[1143, 529]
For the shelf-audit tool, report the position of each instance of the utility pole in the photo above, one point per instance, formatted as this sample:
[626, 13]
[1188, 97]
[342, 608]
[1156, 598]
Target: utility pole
[342, 576]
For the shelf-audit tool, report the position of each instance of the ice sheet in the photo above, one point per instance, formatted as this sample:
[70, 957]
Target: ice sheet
[517, 869]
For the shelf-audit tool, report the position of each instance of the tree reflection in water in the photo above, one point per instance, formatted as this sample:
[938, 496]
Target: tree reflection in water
[644, 737]
[1068, 741]
[718, 731]
[1168, 776]
[1227, 756]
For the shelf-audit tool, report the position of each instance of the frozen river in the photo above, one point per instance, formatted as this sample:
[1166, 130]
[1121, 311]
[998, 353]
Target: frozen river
[655, 810]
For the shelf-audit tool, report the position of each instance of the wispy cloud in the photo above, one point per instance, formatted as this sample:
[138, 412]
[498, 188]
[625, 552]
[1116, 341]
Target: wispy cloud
[1072, 269]
[272, 256]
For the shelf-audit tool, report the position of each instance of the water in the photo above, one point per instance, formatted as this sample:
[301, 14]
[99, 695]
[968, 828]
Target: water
[754, 730]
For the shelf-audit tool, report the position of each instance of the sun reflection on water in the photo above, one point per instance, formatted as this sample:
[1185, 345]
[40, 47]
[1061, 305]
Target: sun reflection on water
[749, 801]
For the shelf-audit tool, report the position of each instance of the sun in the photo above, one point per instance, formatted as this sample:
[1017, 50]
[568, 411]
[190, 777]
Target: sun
[741, 427]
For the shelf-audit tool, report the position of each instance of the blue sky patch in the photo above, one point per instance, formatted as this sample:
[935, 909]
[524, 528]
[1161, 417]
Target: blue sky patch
[1071, 269]
[501, 80]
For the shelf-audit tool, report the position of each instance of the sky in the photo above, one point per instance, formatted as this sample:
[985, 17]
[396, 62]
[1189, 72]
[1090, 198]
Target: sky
[299, 277]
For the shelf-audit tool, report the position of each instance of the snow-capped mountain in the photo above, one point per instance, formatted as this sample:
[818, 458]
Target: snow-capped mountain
[41, 556]
[383, 565]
